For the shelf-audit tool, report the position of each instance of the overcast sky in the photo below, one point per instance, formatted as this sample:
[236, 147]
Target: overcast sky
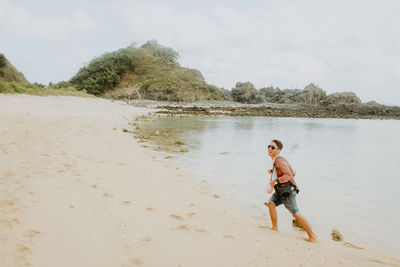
[339, 45]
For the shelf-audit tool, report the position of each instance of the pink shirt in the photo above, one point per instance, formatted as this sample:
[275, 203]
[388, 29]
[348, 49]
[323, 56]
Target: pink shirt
[283, 171]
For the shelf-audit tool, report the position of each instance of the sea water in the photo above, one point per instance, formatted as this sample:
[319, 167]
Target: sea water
[348, 171]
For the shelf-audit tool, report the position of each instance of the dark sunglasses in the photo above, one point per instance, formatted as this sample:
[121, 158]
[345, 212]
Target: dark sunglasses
[272, 147]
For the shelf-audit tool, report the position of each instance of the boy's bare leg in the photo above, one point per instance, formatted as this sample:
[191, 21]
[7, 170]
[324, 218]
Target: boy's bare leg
[303, 222]
[273, 215]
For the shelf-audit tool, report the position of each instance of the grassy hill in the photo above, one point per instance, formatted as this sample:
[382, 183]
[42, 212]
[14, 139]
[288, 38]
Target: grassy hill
[14, 82]
[147, 72]
[9, 73]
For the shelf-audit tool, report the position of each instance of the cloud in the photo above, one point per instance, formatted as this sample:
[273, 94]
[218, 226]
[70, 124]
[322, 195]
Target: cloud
[341, 45]
[19, 22]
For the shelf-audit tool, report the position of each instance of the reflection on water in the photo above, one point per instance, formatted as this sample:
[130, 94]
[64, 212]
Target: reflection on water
[347, 170]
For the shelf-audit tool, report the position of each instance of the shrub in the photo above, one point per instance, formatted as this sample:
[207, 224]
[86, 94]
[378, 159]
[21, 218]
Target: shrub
[104, 72]
[215, 92]
[3, 61]
[160, 51]
[36, 89]
[59, 85]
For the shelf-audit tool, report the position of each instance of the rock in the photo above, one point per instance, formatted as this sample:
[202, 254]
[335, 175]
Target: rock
[372, 103]
[245, 93]
[336, 235]
[179, 143]
[226, 94]
[341, 98]
[313, 94]
[245, 87]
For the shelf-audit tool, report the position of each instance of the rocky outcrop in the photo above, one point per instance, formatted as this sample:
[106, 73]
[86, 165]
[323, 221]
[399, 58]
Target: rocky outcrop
[347, 111]
[313, 94]
[245, 93]
[341, 98]
[310, 95]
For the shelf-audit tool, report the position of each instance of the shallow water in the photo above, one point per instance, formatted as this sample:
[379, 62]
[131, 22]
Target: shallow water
[348, 171]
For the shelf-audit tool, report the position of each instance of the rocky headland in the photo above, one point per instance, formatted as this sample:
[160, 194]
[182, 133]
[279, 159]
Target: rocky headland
[152, 72]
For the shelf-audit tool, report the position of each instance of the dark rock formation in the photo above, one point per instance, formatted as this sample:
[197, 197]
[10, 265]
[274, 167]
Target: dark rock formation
[313, 94]
[310, 95]
[341, 98]
[245, 93]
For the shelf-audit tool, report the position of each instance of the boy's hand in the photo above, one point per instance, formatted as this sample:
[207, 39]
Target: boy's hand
[272, 183]
[270, 171]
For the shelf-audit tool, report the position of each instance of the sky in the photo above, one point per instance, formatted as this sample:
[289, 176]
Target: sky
[341, 45]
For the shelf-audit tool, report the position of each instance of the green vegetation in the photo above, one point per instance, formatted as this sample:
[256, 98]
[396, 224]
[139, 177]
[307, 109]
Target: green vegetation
[32, 89]
[9, 73]
[147, 72]
[215, 92]
[103, 73]
[150, 71]
[3, 61]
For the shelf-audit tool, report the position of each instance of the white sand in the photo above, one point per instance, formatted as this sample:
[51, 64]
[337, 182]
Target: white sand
[75, 191]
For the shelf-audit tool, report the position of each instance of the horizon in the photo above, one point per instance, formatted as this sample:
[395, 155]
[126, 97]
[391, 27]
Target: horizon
[341, 46]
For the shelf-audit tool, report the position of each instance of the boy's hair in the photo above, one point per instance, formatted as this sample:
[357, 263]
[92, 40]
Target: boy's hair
[278, 143]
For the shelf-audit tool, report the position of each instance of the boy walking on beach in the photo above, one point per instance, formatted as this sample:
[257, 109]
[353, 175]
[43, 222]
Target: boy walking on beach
[283, 173]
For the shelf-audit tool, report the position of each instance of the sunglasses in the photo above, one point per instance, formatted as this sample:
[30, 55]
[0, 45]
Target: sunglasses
[272, 147]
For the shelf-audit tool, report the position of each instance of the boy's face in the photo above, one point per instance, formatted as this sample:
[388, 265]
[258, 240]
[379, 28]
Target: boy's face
[273, 150]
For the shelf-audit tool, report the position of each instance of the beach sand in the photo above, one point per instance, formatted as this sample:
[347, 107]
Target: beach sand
[76, 190]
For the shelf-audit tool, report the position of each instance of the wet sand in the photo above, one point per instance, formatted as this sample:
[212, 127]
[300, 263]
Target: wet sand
[78, 190]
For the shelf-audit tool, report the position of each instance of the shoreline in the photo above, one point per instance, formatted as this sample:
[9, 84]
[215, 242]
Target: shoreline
[226, 108]
[79, 191]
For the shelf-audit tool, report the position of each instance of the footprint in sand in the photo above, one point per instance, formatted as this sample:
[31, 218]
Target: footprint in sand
[8, 174]
[68, 165]
[106, 195]
[22, 248]
[145, 240]
[181, 227]
[177, 217]
[30, 234]
[149, 209]
[191, 214]
[4, 223]
[350, 245]
[7, 203]
[136, 261]
[94, 186]
[229, 236]
[126, 202]
[200, 230]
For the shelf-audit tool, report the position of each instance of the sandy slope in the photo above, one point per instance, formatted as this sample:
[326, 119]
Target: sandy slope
[77, 191]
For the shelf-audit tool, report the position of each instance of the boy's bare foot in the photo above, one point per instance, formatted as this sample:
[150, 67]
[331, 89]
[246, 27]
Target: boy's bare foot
[312, 238]
[267, 227]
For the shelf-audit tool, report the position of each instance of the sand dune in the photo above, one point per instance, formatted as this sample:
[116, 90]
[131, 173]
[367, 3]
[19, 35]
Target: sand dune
[75, 190]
